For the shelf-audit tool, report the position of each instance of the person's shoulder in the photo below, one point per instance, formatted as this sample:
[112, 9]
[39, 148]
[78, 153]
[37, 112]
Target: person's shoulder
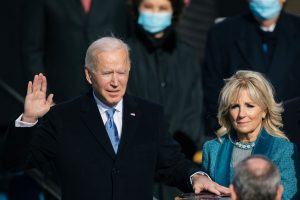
[213, 143]
[142, 103]
[230, 24]
[283, 143]
[69, 105]
[291, 17]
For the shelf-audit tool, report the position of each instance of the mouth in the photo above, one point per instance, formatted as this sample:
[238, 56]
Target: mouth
[242, 123]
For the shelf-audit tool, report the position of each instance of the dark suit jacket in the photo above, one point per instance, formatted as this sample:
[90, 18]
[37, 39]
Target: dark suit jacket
[235, 44]
[56, 34]
[291, 120]
[73, 137]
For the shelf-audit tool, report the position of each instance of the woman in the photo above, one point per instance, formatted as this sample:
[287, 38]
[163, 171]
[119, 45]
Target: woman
[164, 69]
[250, 122]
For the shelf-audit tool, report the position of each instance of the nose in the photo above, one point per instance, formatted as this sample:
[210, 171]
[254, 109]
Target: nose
[242, 112]
[114, 80]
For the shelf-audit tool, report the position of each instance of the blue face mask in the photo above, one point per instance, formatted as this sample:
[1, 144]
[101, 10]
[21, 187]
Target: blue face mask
[155, 22]
[265, 9]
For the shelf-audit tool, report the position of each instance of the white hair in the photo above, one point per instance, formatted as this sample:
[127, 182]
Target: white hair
[105, 44]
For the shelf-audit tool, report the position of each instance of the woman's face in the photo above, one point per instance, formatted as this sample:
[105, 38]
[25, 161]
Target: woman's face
[246, 116]
[156, 6]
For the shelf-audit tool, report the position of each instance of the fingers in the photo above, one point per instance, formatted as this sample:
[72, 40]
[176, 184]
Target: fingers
[44, 83]
[211, 187]
[29, 87]
[35, 83]
[222, 189]
[50, 99]
[38, 82]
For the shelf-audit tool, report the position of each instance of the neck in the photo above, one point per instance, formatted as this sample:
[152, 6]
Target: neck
[159, 35]
[269, 22]
[249, 137]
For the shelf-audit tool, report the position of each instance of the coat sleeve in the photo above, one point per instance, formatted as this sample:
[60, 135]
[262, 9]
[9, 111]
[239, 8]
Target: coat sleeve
[172, 166]
[33, 31]
[288, 165]
[26, 148]
[205, 158]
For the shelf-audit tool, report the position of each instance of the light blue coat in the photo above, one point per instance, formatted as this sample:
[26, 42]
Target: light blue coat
[217, 160]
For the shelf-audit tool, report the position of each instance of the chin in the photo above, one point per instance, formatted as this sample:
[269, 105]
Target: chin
[113, 101]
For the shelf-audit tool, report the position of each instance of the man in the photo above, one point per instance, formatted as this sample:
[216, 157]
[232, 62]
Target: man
[256, 177]
[55, 36]
[264, 39]
[105, 144]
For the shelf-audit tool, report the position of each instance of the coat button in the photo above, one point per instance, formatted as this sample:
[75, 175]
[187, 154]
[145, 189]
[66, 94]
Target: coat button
[115, 171]
[163, 84]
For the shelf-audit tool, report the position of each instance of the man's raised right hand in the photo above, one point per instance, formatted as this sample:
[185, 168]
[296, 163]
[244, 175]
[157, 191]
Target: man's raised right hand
[37, 104]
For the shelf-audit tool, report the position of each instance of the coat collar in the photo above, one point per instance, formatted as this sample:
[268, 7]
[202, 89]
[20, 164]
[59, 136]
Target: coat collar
[92, 118]
[223, 168]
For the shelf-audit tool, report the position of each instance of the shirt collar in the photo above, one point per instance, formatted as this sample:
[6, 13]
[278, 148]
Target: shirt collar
[268, 29]
[103, 107]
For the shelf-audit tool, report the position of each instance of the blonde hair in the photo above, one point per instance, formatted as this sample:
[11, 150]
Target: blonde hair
[260, 91]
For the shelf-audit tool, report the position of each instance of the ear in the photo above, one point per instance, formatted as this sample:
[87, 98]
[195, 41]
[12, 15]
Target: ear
[232, 192]
[279, 192]
[88, 75]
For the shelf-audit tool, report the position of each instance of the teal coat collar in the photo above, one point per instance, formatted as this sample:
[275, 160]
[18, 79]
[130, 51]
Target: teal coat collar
[223, 170]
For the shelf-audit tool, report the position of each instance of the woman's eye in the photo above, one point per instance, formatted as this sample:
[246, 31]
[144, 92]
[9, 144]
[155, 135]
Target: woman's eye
[250, 106]
[163, 8]
[234, 106]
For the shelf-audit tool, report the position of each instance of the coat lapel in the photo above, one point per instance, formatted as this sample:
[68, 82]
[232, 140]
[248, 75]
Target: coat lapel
[248, 45]
[222, 169]
[92, 119]
[264, 144]
[131, 116]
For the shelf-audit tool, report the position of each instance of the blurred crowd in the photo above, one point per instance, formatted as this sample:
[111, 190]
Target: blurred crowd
[181, 51]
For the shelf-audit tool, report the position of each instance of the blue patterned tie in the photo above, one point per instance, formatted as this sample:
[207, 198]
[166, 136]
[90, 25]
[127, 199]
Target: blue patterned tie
[112, 129]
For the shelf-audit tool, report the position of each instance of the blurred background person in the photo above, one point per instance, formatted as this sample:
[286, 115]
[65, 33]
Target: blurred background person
[265, 39]
[164, 69]
[250, 121]
[256, 177]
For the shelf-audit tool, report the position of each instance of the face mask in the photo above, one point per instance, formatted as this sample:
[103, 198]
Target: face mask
[265, 9]
[155, 22]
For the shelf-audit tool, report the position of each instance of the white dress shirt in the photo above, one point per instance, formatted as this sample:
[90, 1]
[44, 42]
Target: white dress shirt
[117, 115]
[269, 28]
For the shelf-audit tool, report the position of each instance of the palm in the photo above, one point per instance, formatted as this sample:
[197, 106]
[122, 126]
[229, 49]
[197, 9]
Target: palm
[36, 104]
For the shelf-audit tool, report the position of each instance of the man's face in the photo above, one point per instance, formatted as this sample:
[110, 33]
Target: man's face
[109, 76]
